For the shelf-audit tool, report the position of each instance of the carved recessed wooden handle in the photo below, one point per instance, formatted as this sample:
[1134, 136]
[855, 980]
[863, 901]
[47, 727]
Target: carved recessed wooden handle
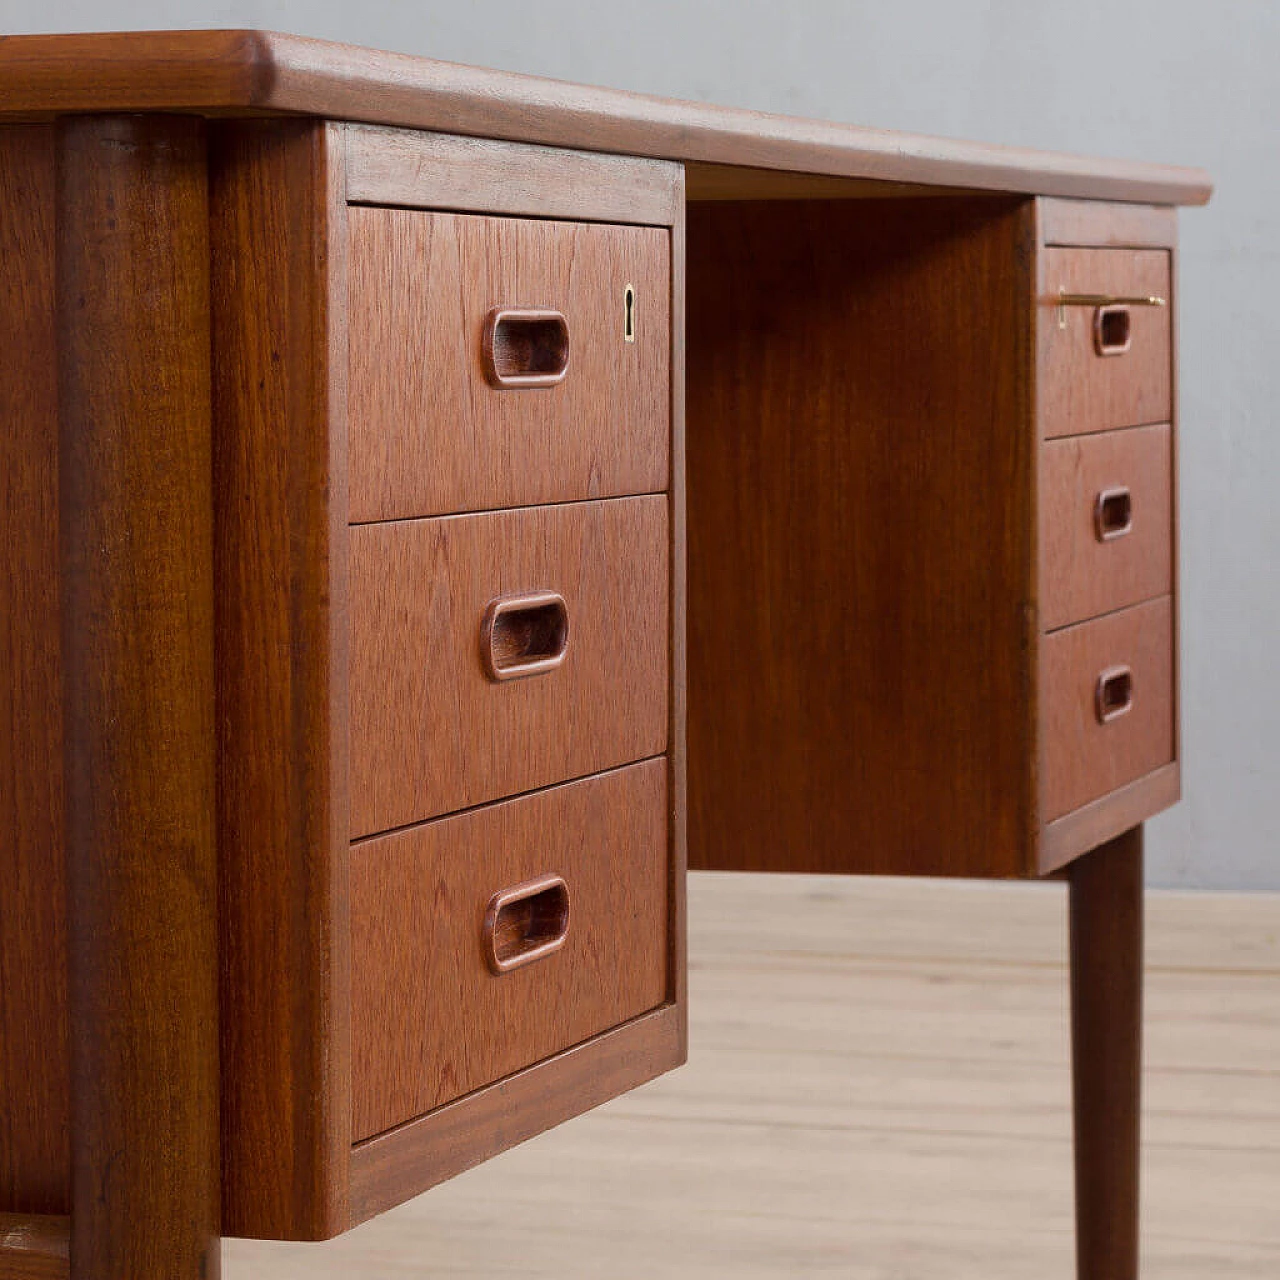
[526, 923]
[1113, 696]
[1112, 329]
[524, 635]
[525, 347]
[1113, 514]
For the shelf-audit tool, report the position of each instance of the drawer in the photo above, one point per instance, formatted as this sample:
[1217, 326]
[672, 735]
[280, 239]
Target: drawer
[1091, 673]
[452, 990]
[1106, 523]
[437, 425]
[1104, 367]
[441, 716]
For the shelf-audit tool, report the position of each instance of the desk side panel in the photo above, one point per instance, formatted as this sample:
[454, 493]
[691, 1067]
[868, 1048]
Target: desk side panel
[278, 240]
[34, 1072]
[860, 447]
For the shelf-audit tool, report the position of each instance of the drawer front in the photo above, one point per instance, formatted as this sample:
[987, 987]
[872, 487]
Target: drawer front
[1091, 744]
[431, 433]
[1082, 387]
[431, 1020]
[1106, 520]
[437, 721]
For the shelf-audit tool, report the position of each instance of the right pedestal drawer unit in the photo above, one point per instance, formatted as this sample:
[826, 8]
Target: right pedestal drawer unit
[1106, 510]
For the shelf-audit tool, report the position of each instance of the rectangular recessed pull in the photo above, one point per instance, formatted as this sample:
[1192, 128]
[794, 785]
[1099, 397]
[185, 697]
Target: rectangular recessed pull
[1113, 514]
[525, 347]
[1112, 329]
[526, 923]
[1113, 696]
[524, 635]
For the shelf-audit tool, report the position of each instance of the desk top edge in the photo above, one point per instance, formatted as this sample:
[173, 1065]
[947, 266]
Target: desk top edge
[258, 72]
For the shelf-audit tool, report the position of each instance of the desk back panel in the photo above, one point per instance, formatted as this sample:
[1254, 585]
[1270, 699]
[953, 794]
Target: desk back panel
[861, 557]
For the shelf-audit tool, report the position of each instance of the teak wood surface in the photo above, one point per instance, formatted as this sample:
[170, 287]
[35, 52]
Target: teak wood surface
[35, 1248]
[283, 534]
[411, 169]
[1106, 928]
[429, 435]
[430, 731]
[1085, 759]
[1080, 390]
[429, 1021]
[277, 200]
[861, 537]
[1081, 575]
[136, 543]
[222, 651]
[258, 72]
[35, 1089]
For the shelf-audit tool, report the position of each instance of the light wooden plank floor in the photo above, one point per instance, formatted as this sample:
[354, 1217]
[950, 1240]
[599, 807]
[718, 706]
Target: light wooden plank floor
[878, 1088]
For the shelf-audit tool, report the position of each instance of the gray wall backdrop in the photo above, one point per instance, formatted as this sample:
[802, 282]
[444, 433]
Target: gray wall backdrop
[1164, 80]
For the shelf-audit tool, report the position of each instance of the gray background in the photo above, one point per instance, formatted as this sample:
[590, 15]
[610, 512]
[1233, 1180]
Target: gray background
[1151, 79]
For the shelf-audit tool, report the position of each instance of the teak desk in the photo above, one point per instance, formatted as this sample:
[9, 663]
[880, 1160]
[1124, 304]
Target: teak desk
[359, 416]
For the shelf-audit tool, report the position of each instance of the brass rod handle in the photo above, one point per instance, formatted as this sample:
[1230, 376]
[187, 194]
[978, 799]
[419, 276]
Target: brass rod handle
[525, 347]
[524, 635]
[1111, 319]
[1065, 299]
[525, 923]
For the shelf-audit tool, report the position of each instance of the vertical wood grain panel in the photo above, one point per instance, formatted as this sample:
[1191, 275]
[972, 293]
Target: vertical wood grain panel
[137, 595]
[35, 1159]
[860, 448]
[279, 388]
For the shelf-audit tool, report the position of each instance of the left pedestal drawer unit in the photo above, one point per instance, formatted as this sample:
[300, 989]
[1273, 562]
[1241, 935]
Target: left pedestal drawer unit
[449, 469]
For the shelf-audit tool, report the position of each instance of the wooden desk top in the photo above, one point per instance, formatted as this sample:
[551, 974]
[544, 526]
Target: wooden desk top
[262, 73]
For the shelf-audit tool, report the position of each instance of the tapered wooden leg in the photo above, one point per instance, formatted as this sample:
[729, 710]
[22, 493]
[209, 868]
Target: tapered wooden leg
[137, 619]
[1106, 1017]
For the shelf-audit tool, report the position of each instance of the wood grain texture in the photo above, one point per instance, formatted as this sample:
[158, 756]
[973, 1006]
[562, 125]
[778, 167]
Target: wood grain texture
[1094, 824]
[418, 170]
[706, 181]
[1080, 575]
[430, 1022]
[430, 732]
[395, 1166]
[1106, 1026]
[263, 72]
[1085, 759]
[35, 1248]
[279, 465]
[429, 435]
[35, 1158]
[860, 635]
[1098, 224]
[677, 730]
[1081, 391]
[137, 634]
